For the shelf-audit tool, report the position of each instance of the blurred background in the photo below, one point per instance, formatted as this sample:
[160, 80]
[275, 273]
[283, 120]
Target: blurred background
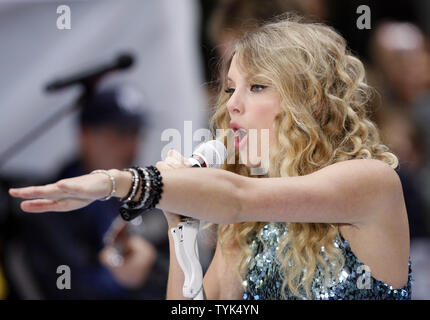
[116, 119]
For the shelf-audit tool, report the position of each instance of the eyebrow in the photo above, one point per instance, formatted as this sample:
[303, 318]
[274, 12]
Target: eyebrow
[247, 78]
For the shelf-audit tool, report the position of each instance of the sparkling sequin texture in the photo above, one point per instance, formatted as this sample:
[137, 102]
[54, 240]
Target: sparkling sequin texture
[354, 281]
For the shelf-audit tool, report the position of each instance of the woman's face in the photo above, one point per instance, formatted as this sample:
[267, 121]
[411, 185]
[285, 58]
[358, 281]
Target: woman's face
[252, 108]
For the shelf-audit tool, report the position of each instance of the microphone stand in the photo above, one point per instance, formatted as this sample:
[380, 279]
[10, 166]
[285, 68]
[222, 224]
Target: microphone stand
[89, 81]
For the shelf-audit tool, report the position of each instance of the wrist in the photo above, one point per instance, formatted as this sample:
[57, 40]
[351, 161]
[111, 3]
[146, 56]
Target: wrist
[141, 194]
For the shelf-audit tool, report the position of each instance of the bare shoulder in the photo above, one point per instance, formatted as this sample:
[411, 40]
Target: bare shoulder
[377, 181]
[383, 242]
[377, 169]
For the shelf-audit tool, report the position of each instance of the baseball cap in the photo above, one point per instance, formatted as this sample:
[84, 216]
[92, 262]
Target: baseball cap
[120, 105]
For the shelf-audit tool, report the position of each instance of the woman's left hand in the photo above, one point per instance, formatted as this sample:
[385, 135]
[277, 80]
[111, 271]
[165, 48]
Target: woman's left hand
[174, 160]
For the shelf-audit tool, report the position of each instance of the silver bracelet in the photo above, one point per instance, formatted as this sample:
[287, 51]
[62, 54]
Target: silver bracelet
[112, 179]
[135, 184]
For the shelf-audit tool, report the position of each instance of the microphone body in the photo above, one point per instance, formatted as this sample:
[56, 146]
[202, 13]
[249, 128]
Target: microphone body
[211, 154]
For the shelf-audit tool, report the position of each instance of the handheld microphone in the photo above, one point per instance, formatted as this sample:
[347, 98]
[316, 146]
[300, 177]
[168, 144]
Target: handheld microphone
[87, 77]
[211, 154]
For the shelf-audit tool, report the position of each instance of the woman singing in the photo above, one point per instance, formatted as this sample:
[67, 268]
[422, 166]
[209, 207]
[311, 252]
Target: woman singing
[327, 221]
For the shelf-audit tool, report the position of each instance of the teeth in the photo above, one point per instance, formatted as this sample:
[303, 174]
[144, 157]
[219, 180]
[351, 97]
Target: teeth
[240, 133]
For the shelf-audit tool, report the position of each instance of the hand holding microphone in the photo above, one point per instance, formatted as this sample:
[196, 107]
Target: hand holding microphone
[174, 160]
[211, 154]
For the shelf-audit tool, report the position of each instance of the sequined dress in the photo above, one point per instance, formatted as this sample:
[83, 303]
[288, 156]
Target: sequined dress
[263, 281]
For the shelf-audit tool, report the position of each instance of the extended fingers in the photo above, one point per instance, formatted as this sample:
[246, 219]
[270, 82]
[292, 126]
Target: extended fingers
[49, 191]
[87, 187]
[44, 205]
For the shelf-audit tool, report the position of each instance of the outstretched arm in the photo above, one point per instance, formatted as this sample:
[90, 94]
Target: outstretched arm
[345, 192]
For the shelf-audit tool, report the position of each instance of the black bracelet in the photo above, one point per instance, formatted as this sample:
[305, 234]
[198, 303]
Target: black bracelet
[157, 187]
[130, 214]
[152, 188]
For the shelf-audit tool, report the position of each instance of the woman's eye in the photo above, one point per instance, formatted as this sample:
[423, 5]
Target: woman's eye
[257, 87]
[229, 90]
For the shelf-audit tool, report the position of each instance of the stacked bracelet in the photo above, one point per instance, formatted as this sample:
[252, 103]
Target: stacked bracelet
[151, 190]
[144, 187]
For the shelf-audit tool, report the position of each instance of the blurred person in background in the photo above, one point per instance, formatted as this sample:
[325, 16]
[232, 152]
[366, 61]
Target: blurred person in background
[128, 266]
[401, 64]
[399, 50]
[232, 18]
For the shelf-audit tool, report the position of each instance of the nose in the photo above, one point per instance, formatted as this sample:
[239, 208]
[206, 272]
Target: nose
[235, 104]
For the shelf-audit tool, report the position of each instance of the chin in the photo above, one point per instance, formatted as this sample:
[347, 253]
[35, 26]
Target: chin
[257, 165]
[250, 163]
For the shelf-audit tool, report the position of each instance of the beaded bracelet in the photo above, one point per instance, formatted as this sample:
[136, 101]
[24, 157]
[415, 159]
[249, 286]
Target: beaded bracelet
[157, 186]
[134, 185]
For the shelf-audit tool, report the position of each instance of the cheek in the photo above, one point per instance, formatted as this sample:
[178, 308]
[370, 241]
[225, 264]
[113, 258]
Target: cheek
[265, 117]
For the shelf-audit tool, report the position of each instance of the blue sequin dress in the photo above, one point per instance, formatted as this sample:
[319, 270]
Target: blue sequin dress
[263, 281]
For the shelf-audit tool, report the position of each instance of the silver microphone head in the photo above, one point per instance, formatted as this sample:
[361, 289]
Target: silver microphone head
[212, 152]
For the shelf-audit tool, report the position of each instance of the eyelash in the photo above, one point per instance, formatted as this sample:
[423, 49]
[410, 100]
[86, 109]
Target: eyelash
[231, 90]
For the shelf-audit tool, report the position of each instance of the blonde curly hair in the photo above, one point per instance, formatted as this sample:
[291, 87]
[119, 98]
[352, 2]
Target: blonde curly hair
[323, 119]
